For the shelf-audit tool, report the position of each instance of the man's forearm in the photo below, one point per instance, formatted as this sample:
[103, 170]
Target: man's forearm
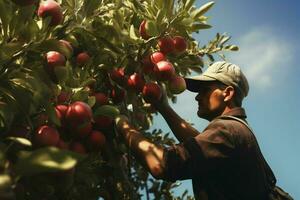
[181, 129]
[148, 153]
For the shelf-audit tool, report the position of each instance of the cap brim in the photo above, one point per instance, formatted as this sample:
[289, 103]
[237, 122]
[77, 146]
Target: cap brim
[194, 84]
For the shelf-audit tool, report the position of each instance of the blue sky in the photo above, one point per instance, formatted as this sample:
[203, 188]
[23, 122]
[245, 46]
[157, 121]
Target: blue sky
[267, 32]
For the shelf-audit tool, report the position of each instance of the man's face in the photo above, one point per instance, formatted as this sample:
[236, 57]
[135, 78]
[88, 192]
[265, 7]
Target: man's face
[210, 101]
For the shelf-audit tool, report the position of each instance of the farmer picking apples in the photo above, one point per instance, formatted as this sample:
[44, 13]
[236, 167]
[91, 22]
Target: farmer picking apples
[81, 82]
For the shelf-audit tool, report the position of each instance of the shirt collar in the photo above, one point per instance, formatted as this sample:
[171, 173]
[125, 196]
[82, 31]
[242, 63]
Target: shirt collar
[237, 112]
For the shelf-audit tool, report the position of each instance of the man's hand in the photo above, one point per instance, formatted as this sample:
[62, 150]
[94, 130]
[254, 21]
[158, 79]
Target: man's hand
[162, 103]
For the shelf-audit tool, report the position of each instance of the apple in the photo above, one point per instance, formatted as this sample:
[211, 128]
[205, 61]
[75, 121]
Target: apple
[177, 84]
[180, 44]
[51, 8]
[79, 112]
[63, 97]
[164, 70]
[77, 147]
[54, 59]
[96, 140]
[61, 111]
[103, 122]
[46, 136]
[166, 45]
[24, 2]
[117, 95]
[82, 58]
[152, 92]
[118, 75]
[143, 31]
[157, 57]
[101, 99]
[136, 82]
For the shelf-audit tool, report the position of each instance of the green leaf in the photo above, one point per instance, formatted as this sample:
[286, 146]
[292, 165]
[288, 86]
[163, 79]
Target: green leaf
[196, 27]
[50, 110]
[91, 101]
[48, 159]
[5, 15]
[189, 4]
[89, 6]
[231, 48]
[224, 39]
[151, 28]
[203, 9]
[61, 73]
[107, 110]
[132, 33]
[20, 140]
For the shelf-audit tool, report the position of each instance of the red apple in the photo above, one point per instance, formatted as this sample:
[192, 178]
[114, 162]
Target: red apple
[143, 31]
[177, 84]
[61, 111]
[55, 59]
[79, 112]
[117, 95]
[51, 8]
[77, 147]
[164, 70]
[136, 82]
[166, 45]
[96, 140]
[103, 122]
[63, 97]
[82, 58]
[152, 92]
[157, 57]
[46, 136]
[24, 2]
[101, 99]
[180, 44]
[118, 75]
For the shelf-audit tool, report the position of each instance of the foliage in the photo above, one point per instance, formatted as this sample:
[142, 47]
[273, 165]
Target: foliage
[108, 31]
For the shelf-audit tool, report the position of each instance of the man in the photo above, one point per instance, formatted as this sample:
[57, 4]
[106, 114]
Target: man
[224, 161]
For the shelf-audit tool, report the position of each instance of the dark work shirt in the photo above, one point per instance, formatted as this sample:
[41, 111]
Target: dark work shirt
[224, 162]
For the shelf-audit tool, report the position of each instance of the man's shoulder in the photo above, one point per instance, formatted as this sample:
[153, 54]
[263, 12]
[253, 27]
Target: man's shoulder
[228, 126]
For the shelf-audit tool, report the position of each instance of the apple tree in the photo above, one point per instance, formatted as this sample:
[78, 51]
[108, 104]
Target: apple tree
[68, 68]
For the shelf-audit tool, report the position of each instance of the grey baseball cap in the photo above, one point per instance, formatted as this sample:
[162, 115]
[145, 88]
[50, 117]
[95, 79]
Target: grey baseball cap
[227, 73]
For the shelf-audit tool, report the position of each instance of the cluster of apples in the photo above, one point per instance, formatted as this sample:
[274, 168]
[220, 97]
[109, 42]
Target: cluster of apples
[81, 130]
[56, 61]
[157, 63]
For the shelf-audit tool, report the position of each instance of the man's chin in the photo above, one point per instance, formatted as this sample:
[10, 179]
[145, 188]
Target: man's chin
[203, 115]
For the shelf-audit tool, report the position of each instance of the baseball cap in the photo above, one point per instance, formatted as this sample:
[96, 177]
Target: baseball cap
[225, 72]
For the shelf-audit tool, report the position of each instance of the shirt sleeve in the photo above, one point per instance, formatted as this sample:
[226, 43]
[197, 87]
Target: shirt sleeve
[199, 155]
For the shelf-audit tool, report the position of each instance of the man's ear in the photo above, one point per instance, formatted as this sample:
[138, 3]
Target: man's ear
[228, 93]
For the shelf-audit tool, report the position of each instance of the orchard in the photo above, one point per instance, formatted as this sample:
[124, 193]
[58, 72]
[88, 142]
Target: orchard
[68, 68]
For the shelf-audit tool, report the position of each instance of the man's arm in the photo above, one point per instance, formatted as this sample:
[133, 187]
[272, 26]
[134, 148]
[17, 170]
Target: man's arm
[148, 153]
[181, 129]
